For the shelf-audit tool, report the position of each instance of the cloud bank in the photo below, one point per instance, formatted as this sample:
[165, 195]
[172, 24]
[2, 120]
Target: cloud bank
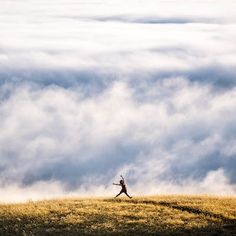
[89, 90]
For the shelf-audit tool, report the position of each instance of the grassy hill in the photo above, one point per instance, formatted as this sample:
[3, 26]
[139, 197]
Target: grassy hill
[156, 215]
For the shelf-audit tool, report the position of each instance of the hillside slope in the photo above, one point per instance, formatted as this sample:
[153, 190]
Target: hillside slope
[156, 215]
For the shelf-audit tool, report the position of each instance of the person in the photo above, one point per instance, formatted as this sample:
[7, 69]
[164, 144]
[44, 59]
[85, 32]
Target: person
[123, 188]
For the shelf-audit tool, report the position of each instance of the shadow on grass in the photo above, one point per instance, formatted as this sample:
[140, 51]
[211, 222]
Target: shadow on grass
[199, 211]
[32, 227]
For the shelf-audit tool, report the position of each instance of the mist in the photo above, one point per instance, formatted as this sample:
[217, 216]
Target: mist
[91, 90]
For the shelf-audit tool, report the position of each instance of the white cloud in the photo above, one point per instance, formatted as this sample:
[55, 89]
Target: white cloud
[89, 90]
[54, 134]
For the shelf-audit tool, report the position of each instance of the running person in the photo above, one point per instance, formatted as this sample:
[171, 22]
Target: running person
[123, 187]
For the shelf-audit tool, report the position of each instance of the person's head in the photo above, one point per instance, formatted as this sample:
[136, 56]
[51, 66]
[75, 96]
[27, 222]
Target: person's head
[121, 181]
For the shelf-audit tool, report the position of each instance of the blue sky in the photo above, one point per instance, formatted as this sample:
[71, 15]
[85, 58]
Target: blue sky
[90, 90]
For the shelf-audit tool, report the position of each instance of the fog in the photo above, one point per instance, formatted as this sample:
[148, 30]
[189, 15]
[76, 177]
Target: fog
[90, 90]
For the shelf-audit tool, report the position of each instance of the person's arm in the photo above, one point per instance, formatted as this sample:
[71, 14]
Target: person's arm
[122, 178]
[115, 184]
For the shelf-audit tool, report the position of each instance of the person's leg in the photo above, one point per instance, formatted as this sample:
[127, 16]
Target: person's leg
[127, 195]
[119, 193]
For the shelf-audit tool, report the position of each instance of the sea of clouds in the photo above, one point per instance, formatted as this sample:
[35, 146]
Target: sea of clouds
[91, 89]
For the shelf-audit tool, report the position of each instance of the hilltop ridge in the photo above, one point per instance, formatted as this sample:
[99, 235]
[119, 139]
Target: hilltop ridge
[154, 215]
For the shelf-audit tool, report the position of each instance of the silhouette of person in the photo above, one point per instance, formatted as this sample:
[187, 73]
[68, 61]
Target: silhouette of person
[123, 187]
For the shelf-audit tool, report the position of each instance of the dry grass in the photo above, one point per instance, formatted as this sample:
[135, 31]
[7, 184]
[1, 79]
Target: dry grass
[156, 215]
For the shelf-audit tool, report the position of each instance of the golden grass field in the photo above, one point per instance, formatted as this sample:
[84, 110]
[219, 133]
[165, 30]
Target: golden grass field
[154, 215]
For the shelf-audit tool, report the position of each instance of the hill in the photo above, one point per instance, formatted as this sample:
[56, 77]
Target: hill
[154, 215]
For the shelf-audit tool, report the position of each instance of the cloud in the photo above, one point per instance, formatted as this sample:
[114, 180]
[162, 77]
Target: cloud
[87, 95]
[62, 136]
[149, 19]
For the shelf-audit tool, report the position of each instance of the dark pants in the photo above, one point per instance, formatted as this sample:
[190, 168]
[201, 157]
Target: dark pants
[123, 191]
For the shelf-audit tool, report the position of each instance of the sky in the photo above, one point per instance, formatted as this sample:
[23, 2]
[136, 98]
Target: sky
[91, 89]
